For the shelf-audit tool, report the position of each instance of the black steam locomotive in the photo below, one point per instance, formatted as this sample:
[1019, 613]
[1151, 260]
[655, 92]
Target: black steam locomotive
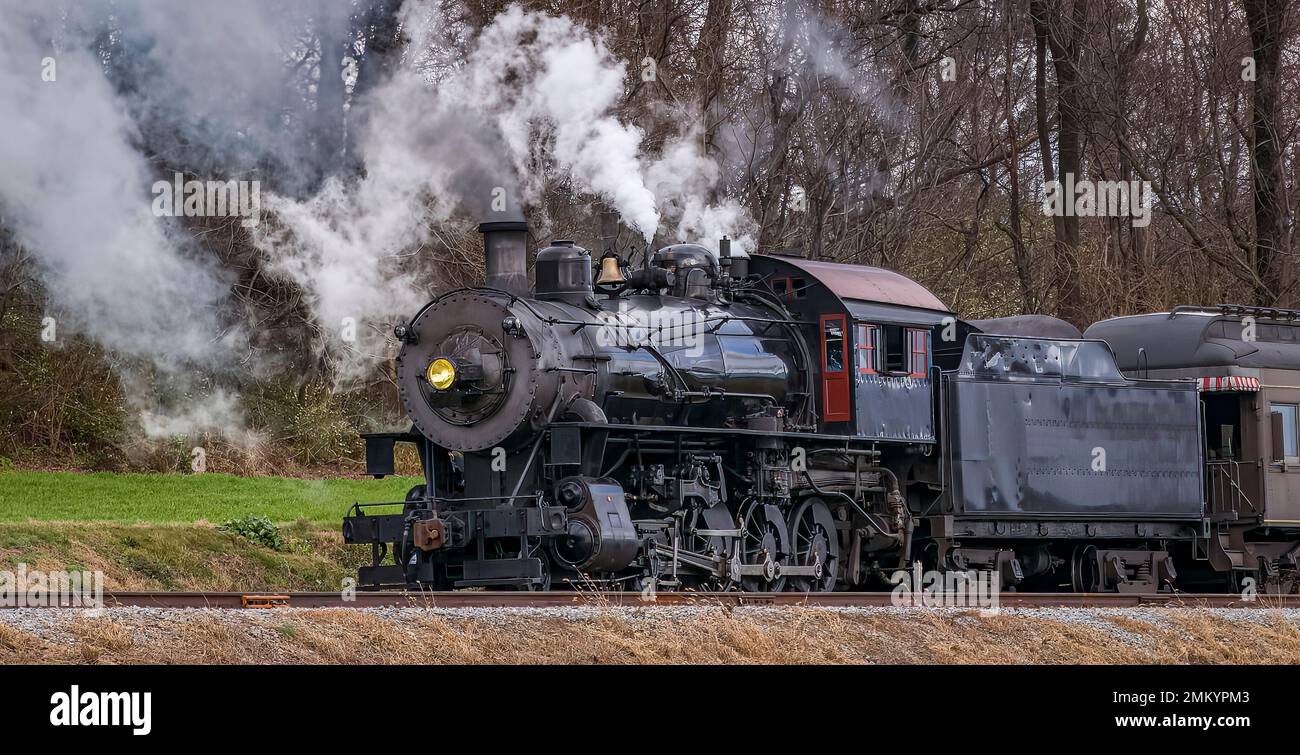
[702, 421]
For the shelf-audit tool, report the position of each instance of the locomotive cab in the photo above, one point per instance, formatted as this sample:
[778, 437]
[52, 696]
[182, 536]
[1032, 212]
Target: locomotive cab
[875, 332]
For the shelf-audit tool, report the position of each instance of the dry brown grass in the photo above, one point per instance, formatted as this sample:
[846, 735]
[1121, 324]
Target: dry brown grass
[656, 636]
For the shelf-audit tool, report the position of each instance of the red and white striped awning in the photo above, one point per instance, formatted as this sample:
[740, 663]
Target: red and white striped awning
[1229, 383]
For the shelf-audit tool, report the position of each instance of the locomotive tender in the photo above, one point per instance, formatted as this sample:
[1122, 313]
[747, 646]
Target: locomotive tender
[702, 421]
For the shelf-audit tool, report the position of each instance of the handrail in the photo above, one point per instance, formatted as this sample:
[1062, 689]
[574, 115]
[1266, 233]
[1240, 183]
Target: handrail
[1275, 313]
[1226, 494]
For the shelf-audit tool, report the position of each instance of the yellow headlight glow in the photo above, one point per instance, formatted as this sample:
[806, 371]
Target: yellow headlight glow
[441, 374]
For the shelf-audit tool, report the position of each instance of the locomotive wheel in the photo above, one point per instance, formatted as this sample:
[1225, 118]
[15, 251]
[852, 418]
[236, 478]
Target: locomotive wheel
[813, 540]
[764, 539]
[715, 518]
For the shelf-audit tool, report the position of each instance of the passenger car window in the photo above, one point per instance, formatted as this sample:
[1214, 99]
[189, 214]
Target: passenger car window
[1290, 427]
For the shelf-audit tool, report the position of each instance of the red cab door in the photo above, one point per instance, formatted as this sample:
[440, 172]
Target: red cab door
[835, 369]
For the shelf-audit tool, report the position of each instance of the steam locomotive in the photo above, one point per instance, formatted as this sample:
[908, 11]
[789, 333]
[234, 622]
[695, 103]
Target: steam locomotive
[718, 421]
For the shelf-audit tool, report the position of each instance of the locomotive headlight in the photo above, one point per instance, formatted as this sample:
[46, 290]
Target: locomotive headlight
[441, 374]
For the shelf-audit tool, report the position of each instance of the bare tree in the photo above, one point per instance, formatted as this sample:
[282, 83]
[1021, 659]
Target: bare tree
[1267, 20]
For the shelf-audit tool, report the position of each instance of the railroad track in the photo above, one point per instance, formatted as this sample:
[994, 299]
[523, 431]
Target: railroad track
[630, 599]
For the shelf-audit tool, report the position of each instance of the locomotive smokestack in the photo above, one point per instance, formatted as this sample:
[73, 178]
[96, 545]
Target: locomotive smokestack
[505, 249]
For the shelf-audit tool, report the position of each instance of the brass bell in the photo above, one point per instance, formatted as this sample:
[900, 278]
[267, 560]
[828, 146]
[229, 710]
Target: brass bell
[610, 272]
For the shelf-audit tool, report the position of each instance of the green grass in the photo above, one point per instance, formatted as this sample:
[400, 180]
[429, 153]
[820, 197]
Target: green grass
[179, 498]
[183, 556]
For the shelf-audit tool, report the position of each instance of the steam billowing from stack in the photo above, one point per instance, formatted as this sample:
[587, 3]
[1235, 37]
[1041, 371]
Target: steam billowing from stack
[207, 83]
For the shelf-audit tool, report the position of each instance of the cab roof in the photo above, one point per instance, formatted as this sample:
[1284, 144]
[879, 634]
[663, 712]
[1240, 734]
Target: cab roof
[868, 284]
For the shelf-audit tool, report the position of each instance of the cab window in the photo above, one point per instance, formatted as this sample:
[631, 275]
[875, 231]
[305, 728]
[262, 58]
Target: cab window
[833, 333]
[918, 352]
[867, 345]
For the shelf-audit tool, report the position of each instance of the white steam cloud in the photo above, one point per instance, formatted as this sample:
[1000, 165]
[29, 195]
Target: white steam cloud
[682, 179]
[433, 144]
[76, 192]
[208, 87]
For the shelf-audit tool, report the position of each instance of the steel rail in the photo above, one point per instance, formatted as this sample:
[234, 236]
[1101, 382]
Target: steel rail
[557, 599]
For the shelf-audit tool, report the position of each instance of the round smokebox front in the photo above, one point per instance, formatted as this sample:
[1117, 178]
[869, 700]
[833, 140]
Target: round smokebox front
[467, 383]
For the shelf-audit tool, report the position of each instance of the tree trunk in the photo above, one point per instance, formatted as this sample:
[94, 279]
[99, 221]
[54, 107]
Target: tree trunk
[786, 108]
[1266, 20]
[709, 57]
[1052, 33]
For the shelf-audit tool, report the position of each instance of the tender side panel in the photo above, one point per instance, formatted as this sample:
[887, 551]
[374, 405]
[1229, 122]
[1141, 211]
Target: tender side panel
[1063, 448]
